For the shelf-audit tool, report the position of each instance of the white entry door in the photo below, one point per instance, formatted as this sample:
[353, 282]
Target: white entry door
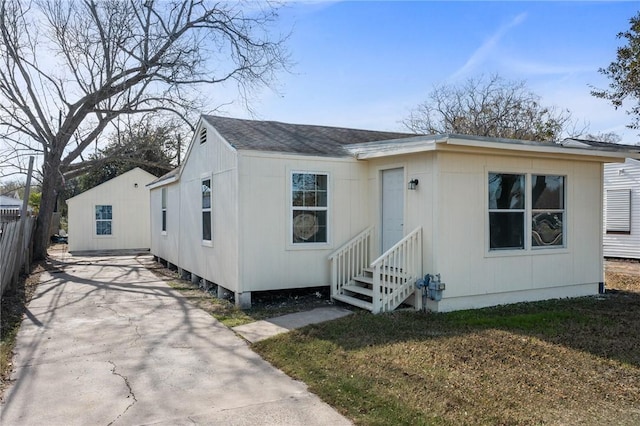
[392, 207]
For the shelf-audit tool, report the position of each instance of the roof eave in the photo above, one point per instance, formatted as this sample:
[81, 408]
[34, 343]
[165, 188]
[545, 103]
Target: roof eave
[390, 147]
[533, 147]
[163, 182]
[467, 143]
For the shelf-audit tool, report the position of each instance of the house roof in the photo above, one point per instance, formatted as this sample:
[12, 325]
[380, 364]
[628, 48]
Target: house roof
[304, 139]
[166, 178]
[10, 202]
[137, 170]
[274, 136]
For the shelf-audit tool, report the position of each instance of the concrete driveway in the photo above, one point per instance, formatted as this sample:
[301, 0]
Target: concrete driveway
[106, 342]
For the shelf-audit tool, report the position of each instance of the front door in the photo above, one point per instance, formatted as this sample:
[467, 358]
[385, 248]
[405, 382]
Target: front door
[392, 207]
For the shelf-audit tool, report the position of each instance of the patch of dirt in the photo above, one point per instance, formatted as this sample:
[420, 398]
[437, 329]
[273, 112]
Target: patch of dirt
[264, 304]
[623, 266]
[12, 309]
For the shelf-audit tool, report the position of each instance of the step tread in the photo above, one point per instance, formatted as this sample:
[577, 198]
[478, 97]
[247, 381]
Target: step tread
[354, 301]
[363, 279]
[394, 272]
[358, 289]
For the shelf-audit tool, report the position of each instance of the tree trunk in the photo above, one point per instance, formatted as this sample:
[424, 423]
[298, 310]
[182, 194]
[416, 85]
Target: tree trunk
[50, 183]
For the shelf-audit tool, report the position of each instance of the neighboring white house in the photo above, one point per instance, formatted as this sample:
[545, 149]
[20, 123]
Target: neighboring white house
[265, 205]
[10, 208]
[113, 215]
[622, 209]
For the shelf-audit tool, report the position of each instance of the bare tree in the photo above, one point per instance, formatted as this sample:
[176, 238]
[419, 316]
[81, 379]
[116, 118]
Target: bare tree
[608, 137]
[153, 145]
[490, 107]
[70, 69]
[624, 74]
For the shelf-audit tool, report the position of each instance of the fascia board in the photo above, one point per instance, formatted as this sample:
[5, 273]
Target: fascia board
[394, 147]
[591, 153]
[169, 181]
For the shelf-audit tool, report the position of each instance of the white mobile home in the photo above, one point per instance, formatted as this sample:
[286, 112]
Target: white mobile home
[113, 215]
[265, 205]
[622, 209]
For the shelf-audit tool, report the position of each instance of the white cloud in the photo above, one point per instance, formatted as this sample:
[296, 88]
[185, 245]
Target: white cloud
[484, 51]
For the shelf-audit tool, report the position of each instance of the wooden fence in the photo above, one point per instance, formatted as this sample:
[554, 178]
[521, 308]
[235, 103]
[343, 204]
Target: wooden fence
[16, 244]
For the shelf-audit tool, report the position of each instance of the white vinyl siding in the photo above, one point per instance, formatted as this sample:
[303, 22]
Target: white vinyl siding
[624, 177]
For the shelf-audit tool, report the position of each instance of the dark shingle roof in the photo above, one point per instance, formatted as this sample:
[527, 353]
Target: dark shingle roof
[294, 138]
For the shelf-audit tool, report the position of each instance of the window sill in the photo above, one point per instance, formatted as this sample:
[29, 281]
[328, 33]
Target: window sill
[207, 243]
[309, 246]
[163, 233]
[534, 251]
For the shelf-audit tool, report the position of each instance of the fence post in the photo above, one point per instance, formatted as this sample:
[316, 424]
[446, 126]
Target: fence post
[20, 257]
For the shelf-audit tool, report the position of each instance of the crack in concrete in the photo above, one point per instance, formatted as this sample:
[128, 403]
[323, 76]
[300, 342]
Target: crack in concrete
[131, 394]
[130, 320]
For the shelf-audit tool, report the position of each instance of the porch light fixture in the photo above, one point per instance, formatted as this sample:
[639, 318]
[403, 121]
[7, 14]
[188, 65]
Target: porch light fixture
[413, 184]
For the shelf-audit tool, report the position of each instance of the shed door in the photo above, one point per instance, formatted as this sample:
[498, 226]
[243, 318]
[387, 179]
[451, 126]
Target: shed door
[392, 207]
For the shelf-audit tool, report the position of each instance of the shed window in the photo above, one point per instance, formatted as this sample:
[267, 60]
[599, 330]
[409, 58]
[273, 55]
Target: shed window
[517, 201]
[164, 209]
[309, 207]
[206, 209]
[104, 217]
[618, 214]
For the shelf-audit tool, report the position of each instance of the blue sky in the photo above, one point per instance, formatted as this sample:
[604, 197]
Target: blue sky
[367, 64]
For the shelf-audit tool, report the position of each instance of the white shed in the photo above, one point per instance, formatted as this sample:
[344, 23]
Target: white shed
[266, 205]
[622, 209]
[113, 215]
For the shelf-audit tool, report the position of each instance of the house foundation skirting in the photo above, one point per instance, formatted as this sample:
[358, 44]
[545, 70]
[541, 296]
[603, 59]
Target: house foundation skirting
[494, 299]
[242, 300]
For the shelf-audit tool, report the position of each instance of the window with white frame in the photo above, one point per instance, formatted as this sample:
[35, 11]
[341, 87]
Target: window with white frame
[104, 218]
[521, 203]
[547, 211]
[206, 209]
[506, 211]
[309, 207]
[618, 213]
[164, 209]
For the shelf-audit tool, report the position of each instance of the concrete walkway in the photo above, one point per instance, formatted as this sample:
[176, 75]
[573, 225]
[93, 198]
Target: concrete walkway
[260, 330]
[105, 342]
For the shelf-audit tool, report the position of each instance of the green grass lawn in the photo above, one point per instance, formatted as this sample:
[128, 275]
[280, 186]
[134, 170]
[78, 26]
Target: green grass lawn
[572, 361]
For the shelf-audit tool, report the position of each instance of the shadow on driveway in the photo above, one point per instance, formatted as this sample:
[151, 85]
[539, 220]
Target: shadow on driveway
[105, 341]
